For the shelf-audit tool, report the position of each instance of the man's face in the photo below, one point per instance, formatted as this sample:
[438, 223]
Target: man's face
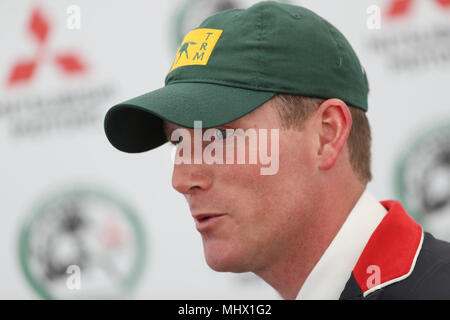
[247, 220]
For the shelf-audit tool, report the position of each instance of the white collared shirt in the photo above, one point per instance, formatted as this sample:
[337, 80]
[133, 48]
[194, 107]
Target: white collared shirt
[329, 276]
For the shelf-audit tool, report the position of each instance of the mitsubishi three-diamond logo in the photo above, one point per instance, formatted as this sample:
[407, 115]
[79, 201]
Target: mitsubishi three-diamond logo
[39, 28]
[29, 111]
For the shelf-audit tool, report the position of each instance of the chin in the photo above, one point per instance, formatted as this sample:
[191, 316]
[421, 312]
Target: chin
[223, 260]
[219, 266]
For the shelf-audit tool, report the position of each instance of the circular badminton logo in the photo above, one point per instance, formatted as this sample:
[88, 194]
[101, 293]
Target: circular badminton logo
[423, 180]
[82, 244]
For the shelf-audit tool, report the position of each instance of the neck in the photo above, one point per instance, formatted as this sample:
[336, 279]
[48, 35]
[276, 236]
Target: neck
[288, 273]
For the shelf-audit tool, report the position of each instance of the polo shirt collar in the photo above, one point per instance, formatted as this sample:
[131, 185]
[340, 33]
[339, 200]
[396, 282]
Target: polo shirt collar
[329, 276]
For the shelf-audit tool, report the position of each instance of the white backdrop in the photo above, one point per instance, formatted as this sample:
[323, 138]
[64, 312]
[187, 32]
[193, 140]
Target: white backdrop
[69, 198]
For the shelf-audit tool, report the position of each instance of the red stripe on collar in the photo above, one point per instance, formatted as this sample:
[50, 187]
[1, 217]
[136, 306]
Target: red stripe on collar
[391, 252]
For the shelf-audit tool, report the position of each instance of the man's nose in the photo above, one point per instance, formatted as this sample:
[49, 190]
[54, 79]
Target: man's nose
[186, 178]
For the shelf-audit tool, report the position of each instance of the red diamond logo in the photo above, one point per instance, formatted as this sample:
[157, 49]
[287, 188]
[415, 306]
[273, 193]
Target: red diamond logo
[39, 28]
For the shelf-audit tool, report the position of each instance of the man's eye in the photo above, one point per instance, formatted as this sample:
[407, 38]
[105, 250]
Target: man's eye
[220, 134]
[177, 140]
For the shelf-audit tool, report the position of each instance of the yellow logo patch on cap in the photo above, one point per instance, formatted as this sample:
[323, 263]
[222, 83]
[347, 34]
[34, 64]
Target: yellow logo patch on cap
[196, 48]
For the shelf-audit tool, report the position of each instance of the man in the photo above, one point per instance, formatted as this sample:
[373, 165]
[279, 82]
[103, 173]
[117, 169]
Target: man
[309, 228]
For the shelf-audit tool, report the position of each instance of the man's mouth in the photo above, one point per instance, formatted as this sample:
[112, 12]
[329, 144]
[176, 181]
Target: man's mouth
[207, 221]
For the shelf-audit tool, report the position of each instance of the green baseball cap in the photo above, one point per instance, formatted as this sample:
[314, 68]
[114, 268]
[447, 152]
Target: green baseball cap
[234, 62]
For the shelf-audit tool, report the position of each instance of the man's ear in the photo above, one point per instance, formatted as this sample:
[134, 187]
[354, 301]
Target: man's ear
[334, 123]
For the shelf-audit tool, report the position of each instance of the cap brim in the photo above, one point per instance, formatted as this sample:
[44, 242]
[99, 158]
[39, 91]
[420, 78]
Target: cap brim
[136, 125]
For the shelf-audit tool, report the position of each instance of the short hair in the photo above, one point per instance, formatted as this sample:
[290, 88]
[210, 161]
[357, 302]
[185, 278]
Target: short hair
[294, 110]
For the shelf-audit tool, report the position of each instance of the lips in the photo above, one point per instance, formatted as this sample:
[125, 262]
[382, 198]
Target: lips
[207, 221]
